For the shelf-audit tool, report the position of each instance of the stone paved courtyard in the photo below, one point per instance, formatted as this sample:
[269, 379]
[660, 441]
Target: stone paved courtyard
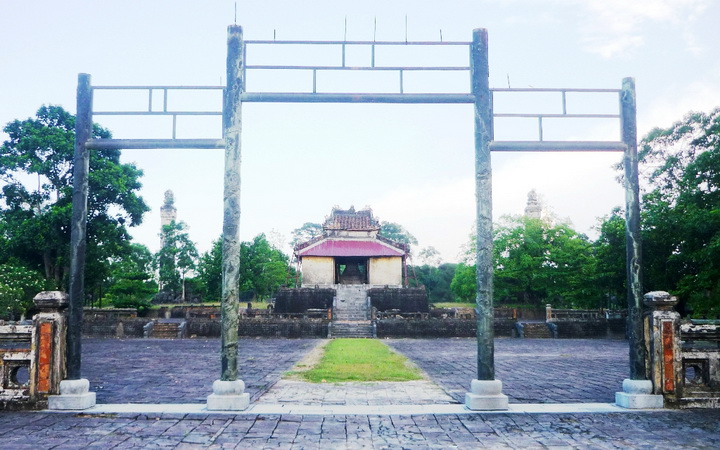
[182, 371]
[532, 370]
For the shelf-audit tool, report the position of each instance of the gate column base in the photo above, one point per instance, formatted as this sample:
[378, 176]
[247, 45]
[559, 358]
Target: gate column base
[637, 394]
[74, 395]
[486, 395]
[228, 396]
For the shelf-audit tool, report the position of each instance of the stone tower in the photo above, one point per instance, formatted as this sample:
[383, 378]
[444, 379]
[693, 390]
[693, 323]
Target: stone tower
[168, 212]
[533, 209]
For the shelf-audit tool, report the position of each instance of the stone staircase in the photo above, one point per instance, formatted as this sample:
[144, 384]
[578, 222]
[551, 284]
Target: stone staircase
[168, 329]
[359, 329]
[536, 330]
[351, 313]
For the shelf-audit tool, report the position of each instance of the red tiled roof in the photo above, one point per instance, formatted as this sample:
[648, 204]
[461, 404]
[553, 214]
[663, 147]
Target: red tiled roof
[337, 247]
[350, 219]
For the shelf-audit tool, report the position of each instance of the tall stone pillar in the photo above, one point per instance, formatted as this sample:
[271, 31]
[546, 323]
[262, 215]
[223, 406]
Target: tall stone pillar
[485, 391]
[229, 392]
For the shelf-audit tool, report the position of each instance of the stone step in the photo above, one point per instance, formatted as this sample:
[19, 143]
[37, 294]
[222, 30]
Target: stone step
[351, 317]
[165, 330]
[536, 330]
[363, 329]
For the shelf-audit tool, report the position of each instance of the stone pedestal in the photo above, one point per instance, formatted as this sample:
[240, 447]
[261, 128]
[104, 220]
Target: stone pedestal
[228, 396]
[74, 395]
[486, 395]
[637, 394]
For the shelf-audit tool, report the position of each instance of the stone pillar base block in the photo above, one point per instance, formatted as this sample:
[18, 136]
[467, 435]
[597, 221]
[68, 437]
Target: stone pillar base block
[74, 395]
[486, 395]
[228, 396]
[637, 394]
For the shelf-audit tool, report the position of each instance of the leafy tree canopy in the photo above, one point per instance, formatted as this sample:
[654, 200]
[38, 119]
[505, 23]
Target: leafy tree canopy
[176, 257]
[681, 211]
[35, 221]
[397, 233]
[306, 232]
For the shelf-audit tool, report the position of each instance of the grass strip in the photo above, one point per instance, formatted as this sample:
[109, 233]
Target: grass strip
[360, 360]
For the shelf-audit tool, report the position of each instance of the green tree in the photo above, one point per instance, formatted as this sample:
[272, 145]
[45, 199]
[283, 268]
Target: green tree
[464, 283]
[681, 216]
[131, 283]
[610, 259]
[263, 268]
[436, 280]
[536, 263]
[18, 286]
[306, 232]
[36, 220]
[175, 259]
[398, 233]
[430, 256]
[210, 272]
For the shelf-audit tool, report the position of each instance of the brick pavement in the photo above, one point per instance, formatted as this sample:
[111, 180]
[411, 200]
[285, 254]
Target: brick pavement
[660, 429]
[551, 371]
[181, 370]
[532, 370]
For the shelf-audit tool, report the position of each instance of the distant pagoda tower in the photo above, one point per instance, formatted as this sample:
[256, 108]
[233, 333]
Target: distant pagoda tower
[533, 209]
[168, 213]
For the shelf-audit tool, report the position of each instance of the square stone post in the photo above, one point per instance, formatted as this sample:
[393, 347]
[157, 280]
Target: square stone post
[485, 391]
[661, 338]
[49, 368]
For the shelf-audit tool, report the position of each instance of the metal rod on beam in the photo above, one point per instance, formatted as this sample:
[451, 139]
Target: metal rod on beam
[78, 226]
[299, 97]
[557, 146]
[127, 144]
[232, 125]
[483, 179]
[632, 231]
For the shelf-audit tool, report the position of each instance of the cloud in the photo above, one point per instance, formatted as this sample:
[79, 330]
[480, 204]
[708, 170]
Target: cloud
[615, 27]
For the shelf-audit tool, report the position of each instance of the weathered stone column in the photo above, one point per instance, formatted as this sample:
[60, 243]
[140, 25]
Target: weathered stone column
[229, 392]
[486, 391]
[660, 336]
[638, 385]
[75, 391]
[638, 370]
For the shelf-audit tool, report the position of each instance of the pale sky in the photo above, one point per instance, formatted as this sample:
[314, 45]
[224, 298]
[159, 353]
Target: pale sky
[413, 164]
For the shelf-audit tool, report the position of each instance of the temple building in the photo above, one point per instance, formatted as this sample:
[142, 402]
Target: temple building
[350, 251]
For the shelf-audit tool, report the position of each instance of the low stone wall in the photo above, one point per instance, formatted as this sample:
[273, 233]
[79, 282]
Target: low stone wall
[439, 327]
[203, 327]
[603, 328]
[403, 300]
[284, 328]
[113, 327]
[301, 299]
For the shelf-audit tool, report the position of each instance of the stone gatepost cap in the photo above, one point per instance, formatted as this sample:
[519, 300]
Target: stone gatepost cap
[51, 300]
[660, 299]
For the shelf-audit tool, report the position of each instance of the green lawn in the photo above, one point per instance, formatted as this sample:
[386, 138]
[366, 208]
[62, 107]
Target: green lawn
[454, 305]
[360, 360]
